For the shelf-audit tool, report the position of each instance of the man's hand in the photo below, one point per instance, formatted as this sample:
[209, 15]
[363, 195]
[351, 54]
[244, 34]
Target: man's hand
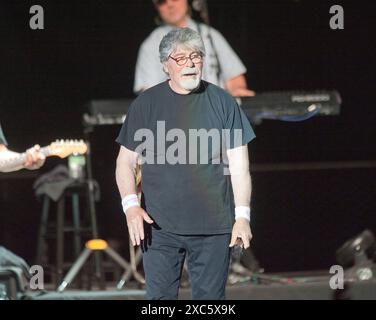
[135, 221]
[237, 87]
[242, 92]
[34, 159]
[242, 230]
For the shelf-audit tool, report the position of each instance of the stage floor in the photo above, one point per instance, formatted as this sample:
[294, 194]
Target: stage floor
[308, 286]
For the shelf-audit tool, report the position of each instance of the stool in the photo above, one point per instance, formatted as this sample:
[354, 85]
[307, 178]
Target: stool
[74, 192]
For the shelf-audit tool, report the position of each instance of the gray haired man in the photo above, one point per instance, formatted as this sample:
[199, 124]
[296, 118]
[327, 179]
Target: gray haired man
[192, 209]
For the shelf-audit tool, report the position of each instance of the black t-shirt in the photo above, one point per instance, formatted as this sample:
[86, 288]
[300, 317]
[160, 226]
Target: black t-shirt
[2, 137]
[184, 184]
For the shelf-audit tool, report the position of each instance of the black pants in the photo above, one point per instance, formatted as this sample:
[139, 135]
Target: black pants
[208, 258]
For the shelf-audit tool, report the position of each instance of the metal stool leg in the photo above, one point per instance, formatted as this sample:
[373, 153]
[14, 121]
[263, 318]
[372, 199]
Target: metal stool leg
[60, 238]
[76, 224]
[42, 230]
[99, 275]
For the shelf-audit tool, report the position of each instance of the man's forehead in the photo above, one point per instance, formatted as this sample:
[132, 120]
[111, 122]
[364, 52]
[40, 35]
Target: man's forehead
[182, 50]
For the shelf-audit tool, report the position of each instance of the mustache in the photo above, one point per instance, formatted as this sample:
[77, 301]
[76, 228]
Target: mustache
[190, 71]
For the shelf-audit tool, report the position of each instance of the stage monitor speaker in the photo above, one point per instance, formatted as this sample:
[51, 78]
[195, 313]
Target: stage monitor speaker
[14, 272]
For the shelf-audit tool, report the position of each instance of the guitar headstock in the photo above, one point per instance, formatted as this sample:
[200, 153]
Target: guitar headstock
[64, 148]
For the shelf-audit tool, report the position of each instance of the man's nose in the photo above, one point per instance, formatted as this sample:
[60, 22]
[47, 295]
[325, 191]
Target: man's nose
[190, 63]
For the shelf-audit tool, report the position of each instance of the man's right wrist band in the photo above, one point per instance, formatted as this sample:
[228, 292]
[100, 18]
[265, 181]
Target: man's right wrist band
[129, 201]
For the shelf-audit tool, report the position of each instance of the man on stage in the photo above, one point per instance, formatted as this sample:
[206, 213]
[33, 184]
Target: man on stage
[193, 208]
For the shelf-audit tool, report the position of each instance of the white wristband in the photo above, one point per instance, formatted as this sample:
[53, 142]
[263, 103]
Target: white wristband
[243, 212]
[128, 201]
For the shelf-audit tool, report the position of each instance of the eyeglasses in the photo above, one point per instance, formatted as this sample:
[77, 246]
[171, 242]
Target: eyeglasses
[195, 57]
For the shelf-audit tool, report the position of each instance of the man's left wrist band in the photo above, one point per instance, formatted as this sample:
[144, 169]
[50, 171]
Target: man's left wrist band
[243, 212]
[128, 201]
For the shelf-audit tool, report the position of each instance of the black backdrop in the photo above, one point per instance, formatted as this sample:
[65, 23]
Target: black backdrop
[88, 51]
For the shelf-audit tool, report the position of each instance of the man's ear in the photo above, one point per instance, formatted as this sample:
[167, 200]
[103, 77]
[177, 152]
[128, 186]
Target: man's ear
[165, 70]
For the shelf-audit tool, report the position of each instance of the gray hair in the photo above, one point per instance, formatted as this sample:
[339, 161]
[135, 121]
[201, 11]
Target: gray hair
[180, 37]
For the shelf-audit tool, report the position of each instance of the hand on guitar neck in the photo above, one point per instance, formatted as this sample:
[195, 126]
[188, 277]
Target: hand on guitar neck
[31, 160]
[35, 157]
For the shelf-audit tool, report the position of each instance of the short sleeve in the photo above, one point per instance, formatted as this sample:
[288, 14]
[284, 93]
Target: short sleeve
[149, 71]
[2, 137]
[133, 122]
[231, 65]
[238, 130]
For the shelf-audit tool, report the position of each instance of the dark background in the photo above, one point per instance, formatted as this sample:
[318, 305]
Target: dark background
[88, 51]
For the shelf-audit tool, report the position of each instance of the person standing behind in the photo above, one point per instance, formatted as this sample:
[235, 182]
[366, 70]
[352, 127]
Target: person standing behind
[222, 67]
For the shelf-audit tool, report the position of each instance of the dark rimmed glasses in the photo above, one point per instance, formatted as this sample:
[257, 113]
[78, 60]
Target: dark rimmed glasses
[195, 57]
